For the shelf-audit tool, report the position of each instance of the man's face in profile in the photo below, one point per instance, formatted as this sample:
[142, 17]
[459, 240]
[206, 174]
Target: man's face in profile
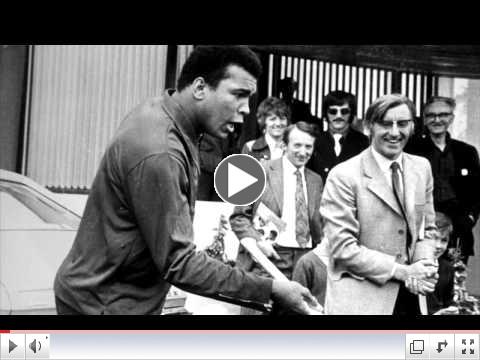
[227, 104]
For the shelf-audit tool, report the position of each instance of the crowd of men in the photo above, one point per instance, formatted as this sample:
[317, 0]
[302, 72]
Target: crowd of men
[359, 235]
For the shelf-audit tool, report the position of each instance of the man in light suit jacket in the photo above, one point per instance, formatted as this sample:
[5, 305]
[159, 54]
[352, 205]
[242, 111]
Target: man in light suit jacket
[375, 216]
[280, 196]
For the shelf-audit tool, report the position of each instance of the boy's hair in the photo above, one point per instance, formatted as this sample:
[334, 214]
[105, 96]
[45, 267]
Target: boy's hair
[443, 222]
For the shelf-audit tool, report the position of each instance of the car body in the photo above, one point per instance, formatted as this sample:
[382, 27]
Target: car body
[36, 232]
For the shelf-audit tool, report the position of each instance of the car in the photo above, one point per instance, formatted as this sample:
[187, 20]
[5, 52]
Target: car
[36, 232]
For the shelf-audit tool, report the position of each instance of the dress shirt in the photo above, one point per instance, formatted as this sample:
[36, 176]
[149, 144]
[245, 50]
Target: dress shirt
[338, 145]
[288, 237]
[276, 148]
[385, 164]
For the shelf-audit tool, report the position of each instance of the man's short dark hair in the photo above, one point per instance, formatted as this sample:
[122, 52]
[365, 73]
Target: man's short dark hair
[377, 110]
[338, 98]
[211, 63]
[304, 126]
[272, 106]
[443, 222]
[287, 86]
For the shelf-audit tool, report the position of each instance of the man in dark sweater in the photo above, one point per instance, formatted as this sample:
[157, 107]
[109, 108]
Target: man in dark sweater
[456, 171]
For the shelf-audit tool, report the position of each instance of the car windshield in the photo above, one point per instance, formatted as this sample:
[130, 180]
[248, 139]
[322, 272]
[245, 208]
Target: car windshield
[22, 207]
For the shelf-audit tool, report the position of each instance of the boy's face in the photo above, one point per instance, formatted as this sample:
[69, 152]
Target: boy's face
[441, 242]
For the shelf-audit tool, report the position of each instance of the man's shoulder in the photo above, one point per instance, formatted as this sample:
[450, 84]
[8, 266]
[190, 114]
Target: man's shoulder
[353, 163]
[358, 136]
[462, 146]
[313, 176]
[351, 168]
[420, 163]
[146, 131]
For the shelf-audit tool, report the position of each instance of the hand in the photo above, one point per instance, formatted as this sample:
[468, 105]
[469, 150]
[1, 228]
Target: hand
[267, 248]
[451, 310]
[416, 286]
[294, 296]
[423, 269]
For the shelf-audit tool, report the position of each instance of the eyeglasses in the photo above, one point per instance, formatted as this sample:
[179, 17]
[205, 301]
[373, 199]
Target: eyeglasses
[441, 116]
[401, 124]
[335, 111]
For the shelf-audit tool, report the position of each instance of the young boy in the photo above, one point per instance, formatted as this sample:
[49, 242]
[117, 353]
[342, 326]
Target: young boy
[442, 298]
[311, 271]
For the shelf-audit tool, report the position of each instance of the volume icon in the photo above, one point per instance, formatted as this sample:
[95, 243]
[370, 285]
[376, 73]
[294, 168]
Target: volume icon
[35, 346]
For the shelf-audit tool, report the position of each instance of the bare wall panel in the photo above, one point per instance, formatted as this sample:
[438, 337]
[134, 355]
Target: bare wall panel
[80, 94]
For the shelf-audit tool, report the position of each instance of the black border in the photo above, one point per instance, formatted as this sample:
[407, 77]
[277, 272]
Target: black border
[199, 322]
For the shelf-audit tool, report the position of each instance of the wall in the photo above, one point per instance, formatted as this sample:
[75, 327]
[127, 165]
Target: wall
[13, 61]
[80, 94]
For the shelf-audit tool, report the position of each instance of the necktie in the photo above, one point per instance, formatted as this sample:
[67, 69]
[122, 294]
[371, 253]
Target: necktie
[302, 228]
[399, 195]
[397, 188]
[338, 146]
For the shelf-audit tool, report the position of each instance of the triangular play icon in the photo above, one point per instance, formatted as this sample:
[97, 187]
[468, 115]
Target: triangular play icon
[238, 180]
[11, 346]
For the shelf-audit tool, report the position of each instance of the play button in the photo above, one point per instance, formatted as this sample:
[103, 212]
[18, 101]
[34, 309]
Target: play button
[11, 346]
[239, 179]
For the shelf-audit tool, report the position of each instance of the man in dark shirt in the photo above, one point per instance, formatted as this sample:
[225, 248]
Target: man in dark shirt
[341, 141]
[136, 235]
[300, 110]
[456, 171]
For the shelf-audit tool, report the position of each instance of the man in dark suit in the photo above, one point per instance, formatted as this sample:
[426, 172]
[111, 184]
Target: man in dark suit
[300, 110]
[341, 141]
[456, 171]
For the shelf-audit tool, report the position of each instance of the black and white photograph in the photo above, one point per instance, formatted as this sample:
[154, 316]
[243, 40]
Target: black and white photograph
[265, 180]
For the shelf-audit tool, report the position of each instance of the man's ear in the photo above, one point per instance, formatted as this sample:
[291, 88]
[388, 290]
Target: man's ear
[198, 88]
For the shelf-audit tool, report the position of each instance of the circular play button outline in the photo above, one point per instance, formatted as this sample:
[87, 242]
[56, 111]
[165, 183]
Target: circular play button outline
[239, 179]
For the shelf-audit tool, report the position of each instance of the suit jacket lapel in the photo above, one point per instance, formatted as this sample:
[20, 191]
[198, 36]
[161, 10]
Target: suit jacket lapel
[377, 183]
[312, 191]
[410, 179]
[276, 182]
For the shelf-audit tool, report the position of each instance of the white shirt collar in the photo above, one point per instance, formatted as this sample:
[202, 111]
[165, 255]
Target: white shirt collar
[289, 168]
[385, 163]
[271, 141]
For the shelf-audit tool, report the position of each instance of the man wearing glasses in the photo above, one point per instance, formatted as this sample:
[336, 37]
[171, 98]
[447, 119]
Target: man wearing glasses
[341, 141]
[376, 207]
[456, 171]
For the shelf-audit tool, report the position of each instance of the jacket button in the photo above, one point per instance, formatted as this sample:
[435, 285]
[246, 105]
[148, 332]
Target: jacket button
[398, 256]
[401, 231]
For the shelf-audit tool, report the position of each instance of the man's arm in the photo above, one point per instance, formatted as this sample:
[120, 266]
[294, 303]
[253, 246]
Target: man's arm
[158, 192]
[158, 188]
[241, 222]
[474, 211]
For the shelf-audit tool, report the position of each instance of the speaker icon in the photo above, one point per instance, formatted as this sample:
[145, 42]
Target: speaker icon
[35, 346]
